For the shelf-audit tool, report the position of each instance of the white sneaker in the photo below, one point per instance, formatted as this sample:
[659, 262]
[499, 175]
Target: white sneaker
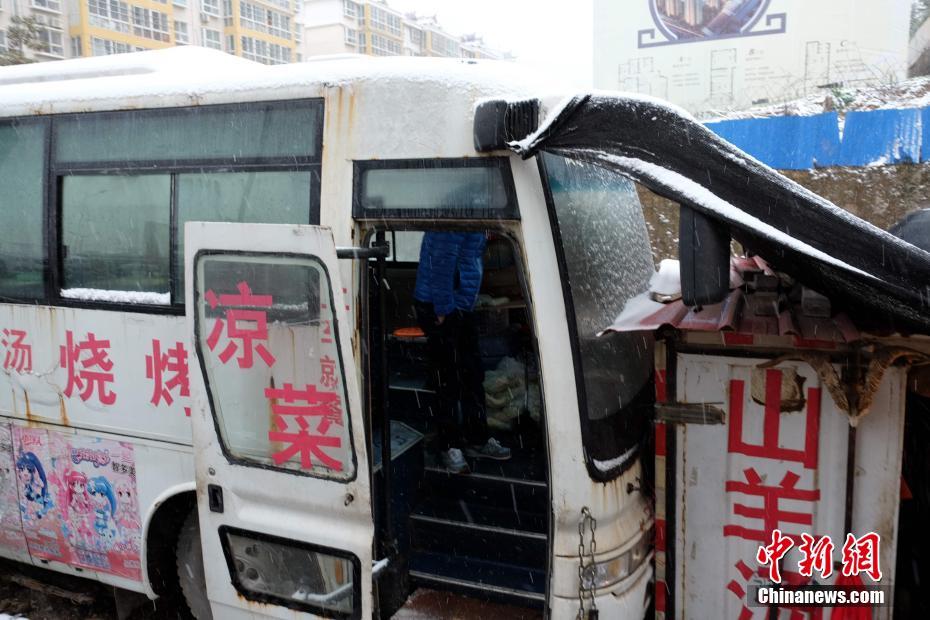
[491, 450]
[455, 461]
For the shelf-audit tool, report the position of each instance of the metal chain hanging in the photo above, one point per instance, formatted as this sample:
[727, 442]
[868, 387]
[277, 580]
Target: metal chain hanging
[587, 575]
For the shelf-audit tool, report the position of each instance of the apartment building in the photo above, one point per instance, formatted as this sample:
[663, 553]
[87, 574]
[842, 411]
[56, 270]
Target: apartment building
[374, 28]
[261, 30]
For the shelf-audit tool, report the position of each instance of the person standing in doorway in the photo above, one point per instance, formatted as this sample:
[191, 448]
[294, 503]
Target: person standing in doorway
[448, 281]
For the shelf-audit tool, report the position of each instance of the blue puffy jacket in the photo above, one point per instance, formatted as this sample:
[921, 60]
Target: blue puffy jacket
[450, 271]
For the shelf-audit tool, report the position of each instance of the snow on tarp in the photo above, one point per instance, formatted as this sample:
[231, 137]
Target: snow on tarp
[797, 231]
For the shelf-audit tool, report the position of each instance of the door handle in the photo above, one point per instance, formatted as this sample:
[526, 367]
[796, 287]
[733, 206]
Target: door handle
[215, 497]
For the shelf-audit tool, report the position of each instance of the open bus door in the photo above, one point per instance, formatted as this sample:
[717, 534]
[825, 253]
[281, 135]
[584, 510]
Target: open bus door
[283, 488]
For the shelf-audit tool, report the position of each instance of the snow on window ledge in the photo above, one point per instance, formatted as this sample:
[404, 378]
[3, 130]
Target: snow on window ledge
[118, 297]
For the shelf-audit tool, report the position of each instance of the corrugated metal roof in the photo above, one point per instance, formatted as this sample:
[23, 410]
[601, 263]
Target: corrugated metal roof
[758, 311]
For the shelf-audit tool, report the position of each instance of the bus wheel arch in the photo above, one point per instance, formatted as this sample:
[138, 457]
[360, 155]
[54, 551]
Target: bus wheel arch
[161, 536]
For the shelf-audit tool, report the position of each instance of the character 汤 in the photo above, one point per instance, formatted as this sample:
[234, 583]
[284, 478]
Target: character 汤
[35, 500]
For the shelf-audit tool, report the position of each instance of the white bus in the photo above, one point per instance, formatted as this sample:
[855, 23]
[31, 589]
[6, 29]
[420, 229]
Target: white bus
[139, 446]
[209, 348]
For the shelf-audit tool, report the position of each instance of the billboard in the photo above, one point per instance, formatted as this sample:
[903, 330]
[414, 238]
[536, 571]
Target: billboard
[713, 55]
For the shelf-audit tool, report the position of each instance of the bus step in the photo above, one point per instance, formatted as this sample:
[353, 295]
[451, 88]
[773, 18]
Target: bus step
[487, 489]
[492, 581]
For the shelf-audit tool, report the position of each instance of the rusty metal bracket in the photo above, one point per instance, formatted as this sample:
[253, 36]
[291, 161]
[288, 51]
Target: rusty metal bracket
[690, 413]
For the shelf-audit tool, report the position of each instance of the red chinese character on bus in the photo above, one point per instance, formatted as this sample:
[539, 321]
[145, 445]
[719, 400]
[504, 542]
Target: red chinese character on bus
[169, 372]
[816, 556]
[861, 555]
[328, 377]
[18, 354]
[323, 406]
[772, 442]
[770, 514]
[248, 326]
[772, 553]
[88, 365]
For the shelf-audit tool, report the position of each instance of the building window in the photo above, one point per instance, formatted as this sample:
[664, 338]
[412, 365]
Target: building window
[260, 19]
[150, 24]
[212, 38]
[210, 7]
[3, 45]
[51, 41]
[265, 52]
[383, 46]
[76, 47]
[48, 5]
[231, 44]
[105, 47]
[350, 9]
[179, 2]
[443, 46]
[109, 14]
[351, 37]
[385, 21]
[415, 35]
[181, 33]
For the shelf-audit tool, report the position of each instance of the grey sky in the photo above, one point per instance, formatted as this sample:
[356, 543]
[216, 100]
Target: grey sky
[553, 35]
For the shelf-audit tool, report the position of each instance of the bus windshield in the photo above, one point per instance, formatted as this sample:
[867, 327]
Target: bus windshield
[605, 260]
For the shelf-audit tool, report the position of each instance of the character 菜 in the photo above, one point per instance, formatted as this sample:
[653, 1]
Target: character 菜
[35, 501]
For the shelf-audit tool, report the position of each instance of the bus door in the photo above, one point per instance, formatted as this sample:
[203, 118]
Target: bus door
[282, 475]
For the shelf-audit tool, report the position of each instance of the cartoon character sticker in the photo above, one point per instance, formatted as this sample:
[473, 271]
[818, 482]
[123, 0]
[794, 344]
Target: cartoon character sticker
[38, 488]
[101, 515]
[12, 539]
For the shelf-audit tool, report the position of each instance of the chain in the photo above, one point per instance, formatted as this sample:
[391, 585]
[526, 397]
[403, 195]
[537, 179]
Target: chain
[586, 565]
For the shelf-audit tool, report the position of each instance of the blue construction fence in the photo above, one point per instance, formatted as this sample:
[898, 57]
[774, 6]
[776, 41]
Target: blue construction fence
[873, 137]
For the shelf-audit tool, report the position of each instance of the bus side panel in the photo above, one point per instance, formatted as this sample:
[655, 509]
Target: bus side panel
[118, 372]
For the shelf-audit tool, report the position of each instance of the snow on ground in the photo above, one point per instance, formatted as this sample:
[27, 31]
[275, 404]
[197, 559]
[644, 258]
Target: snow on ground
[913, 93]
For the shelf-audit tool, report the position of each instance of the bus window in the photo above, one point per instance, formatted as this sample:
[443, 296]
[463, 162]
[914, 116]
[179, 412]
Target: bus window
[231, 132]
[472, 188]
[22, 175]
[115, 235]
[273, 315]
[130, 180]
[248, 197]
[606, 260]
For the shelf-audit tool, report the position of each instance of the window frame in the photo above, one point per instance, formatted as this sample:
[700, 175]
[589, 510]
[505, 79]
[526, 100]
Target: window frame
[47, 193]
[235, 459]
[361, 212]
[568, 299]
[251, 595]
[54, 172]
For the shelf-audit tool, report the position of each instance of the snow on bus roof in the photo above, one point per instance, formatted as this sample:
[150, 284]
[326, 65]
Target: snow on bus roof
[188, 74]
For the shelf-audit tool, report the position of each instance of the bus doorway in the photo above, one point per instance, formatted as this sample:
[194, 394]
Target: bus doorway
[481, 530]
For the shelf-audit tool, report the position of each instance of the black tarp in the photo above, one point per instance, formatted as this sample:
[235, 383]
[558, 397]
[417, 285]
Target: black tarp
[613, 130]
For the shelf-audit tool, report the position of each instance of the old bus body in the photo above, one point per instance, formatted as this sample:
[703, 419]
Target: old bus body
[121, 401]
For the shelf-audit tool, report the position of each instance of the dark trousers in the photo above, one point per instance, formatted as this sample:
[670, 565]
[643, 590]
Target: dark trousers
[457, 376]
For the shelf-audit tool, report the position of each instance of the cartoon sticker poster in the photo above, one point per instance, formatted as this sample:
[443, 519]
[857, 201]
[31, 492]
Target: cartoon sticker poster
[99, 511]
[37, 488]
[11, 525]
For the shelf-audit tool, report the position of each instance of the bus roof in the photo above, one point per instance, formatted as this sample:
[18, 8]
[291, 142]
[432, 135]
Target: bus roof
[188, 75]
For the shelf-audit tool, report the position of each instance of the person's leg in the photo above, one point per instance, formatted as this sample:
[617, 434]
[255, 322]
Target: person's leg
[471, 387]
[441, 354]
